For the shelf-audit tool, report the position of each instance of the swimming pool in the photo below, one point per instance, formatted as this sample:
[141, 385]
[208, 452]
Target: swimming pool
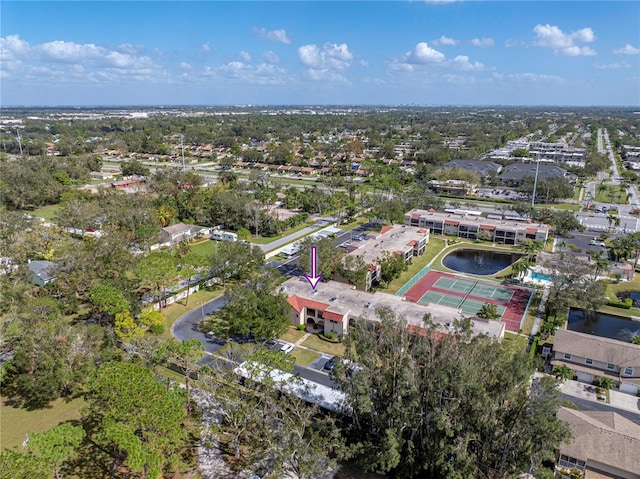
[540, 276]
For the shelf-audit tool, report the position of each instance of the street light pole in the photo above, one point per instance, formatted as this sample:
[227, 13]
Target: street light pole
[535, 184]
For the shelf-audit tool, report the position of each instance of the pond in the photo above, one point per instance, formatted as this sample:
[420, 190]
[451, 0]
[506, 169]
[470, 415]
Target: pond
[604, 325]
[475, 261]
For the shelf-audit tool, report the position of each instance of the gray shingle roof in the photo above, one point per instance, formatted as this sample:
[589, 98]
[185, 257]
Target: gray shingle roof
[605, 437]
[606, 350]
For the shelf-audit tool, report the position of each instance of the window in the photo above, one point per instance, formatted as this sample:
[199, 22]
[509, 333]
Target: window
[567, 356]
[571, 463]
[611, 366]
[628, 371]
[588, 361]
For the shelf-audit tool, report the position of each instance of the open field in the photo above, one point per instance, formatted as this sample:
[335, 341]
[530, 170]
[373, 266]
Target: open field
[15, 423]
[46, 212]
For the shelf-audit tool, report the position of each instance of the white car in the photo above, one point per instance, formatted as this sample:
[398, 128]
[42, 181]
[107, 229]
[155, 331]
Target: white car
[286, 348]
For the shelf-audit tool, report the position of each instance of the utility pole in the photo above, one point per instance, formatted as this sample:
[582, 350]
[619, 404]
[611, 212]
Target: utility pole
[19, 140]
[182, 145]
[535, 184]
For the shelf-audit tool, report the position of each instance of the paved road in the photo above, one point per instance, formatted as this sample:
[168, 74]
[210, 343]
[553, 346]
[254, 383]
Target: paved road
[588, 405]
[186, 327]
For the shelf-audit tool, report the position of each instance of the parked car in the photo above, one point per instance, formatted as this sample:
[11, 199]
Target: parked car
[330, 363]
[287, 348]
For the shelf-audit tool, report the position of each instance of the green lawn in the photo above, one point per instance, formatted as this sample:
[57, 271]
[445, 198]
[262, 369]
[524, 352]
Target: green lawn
[314, 342]
[611, 194]
[304, 357]
[204, 247]
[292, 335]
[46, 212]
[516, 339]
[15, 423]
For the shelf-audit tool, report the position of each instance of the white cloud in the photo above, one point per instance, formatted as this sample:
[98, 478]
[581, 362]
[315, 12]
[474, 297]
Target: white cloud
[627, 50]
[279, 36]
[424, 56]
[206, 47]
[326, 63]
[445, 41]
[270, 57]
[611, 66]
[462, 62]
[331, 56]
[71, 62]
[423, 53]
[185, 66]
[483, 42]
[246, 57]
[566, 44]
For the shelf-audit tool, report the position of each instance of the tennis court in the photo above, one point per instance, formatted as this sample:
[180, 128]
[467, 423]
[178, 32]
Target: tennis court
[474, 288]
[467, 305]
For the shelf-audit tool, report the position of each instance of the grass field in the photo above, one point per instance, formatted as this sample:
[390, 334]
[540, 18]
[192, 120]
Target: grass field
[517, 340]
[314, 342]
[204, 247]
[46, 212]
[292, 335]
[15, 423]
[611, 194]
[304, 357]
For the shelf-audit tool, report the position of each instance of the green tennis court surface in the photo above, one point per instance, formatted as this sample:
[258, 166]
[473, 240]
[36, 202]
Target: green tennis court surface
[468, 306]
[472, 288]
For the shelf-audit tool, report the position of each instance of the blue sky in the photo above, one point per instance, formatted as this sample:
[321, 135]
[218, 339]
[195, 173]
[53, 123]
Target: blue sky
[305, 52]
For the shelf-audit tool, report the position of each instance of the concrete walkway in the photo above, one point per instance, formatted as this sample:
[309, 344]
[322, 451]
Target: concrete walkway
[540, 315]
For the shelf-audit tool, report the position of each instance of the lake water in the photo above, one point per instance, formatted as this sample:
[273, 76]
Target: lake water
[604, 325]
[476, 261]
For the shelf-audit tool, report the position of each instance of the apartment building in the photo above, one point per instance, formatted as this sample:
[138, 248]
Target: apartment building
[469, 226]
[334, 307]
[404, 240]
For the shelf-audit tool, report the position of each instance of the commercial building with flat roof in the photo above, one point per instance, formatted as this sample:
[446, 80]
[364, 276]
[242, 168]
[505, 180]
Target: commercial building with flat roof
[463, 225]
[334, 307]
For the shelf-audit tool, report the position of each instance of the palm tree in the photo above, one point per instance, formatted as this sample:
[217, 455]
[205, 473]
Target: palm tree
[531, 247]
[562, 372]
[519, 268]
[606, 383]
[601, 263]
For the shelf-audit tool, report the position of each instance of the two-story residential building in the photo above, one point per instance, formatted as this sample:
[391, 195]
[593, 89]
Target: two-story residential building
[592, 357]
[406, 241]
[334, 307]
[604, 445]
[472, 227]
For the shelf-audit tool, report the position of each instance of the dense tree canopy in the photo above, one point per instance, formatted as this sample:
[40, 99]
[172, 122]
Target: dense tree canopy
[428, 405]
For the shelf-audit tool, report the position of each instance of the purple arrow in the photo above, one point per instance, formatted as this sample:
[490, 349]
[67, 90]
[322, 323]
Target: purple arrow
[313, 278]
